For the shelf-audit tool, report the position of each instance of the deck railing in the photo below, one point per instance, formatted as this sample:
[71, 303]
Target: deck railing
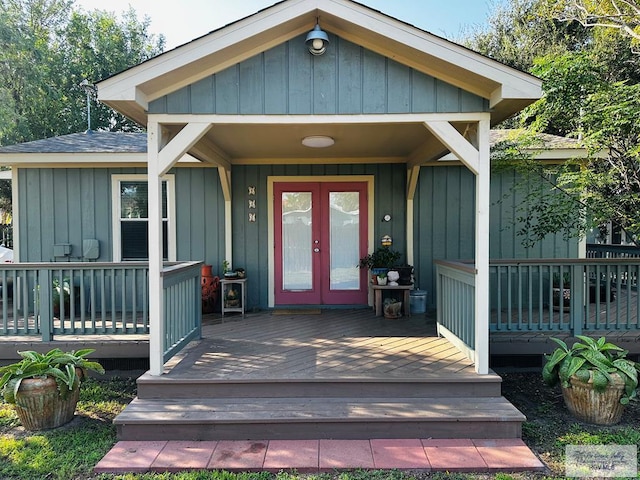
[597, 250]
[576, 296]
[50, 299]
[182, 306]
[456, 301]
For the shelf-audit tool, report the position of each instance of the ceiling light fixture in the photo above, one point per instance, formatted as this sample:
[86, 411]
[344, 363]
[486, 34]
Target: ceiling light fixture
[317, 40]
[318, 141]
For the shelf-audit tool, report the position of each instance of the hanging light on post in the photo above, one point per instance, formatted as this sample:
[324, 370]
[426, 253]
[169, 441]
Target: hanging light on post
[89, 89]
[317, 40]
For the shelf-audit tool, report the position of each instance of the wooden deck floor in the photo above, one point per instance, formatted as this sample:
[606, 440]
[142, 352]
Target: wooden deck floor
[331, 344]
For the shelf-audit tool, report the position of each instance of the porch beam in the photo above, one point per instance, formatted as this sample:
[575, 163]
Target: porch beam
[156, 310]
[483, 205]
[412, 181]
[208, 152]
[426, 152]
[455, 141]
[180, 144]
[366, 119]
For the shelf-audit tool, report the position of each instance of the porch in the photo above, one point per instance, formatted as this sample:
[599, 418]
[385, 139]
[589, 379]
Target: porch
[335, 374]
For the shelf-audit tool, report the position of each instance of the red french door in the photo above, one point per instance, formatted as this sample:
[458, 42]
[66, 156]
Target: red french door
[320, 234]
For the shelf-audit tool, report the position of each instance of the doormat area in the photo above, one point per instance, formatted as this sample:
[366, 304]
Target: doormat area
[297, 311]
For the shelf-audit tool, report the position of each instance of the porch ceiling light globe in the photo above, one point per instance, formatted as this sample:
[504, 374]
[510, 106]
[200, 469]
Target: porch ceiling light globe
[317, 41]
[318, 141]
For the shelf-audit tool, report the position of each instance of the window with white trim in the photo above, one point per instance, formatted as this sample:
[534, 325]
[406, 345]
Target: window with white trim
[130, 198]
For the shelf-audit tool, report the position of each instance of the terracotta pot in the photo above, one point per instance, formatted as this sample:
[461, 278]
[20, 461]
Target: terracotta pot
[587, 405]
[210, 289]
[40, 406]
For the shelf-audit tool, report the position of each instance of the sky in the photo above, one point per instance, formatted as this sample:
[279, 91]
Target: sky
[185, 20]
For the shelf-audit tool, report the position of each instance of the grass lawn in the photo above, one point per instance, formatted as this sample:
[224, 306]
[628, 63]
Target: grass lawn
[70, 452]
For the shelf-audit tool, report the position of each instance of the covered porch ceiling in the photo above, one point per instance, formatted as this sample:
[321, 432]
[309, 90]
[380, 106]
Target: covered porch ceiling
[388, 140]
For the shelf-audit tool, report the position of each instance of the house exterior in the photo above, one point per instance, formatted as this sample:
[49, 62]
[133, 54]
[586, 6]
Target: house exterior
[224, 173]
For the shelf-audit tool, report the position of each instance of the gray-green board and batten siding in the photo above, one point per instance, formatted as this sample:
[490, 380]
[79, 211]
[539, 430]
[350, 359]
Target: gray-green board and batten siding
[347, 79]
[69, 205]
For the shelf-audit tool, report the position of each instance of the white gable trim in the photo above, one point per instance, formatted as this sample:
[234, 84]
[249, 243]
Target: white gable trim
[132, 90]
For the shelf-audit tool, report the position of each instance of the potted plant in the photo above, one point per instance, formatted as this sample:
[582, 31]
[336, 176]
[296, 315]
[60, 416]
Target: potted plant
[61, 293]
[597, 379]
[382, 258]
[381, 278]
[44, 387]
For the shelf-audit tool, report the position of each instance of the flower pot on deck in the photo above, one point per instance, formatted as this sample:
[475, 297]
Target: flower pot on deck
[210, 289]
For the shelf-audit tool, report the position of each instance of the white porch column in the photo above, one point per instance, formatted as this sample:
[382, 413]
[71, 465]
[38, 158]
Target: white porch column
[483, 205]
[161, 156]
[156, 314]
[478, 161]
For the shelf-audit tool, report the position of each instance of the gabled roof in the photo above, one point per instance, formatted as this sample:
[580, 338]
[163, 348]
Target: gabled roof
[507, 89]
[90, 147]
[92, 142]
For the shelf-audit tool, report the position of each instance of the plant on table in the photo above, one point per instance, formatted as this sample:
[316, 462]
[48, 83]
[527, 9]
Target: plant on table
[596, 377]
[382, 257]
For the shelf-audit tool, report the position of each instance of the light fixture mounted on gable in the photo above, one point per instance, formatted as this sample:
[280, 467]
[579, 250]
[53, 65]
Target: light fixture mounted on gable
[317, 40]
[318, 141]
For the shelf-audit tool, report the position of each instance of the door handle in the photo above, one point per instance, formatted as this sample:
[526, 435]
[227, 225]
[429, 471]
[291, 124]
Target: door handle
[316, 249]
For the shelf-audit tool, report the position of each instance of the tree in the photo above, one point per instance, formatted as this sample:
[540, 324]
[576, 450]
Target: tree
[590, 91]
[518, 33]
[620, 15]
[46, 49]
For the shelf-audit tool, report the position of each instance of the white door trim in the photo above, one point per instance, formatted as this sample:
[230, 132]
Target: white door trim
[369, 179]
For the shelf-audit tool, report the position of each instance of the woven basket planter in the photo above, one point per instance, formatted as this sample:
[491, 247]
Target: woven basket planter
[40, 406]
[587, 405]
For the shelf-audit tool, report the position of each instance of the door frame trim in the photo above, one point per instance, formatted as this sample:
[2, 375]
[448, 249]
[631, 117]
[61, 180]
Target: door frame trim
[368, 179]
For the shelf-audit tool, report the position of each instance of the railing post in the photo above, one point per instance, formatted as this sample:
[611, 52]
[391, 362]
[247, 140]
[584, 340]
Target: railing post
[42, 299]
[577, 298]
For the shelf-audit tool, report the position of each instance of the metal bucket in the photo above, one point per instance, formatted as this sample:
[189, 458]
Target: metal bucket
[418, 301]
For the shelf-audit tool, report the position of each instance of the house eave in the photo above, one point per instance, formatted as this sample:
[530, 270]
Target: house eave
[507, 89]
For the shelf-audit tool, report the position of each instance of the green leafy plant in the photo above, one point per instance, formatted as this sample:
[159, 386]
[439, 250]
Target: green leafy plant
[60, 289]
[596, 359]
[564, 281]
[62, 366]
[382, 257]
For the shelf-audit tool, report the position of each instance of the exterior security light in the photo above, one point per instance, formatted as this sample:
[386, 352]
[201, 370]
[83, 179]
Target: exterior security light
[317, 41]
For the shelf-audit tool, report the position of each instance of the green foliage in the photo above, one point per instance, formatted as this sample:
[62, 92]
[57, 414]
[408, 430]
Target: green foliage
[56, 364]
[382, 257]
[518, 32]
[47, 47]
[591, 78]
[542, 202]
[592, 359]
[626, 435]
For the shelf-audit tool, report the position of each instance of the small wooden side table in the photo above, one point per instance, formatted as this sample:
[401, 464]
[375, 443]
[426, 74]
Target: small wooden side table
[225, 285]
[377, 297]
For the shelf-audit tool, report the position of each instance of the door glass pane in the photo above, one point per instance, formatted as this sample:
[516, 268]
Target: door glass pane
[296, 241]
[344, 225]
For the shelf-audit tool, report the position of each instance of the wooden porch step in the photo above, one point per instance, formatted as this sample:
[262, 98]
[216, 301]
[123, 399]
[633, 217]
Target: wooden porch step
[313, 418]
[435, 386]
